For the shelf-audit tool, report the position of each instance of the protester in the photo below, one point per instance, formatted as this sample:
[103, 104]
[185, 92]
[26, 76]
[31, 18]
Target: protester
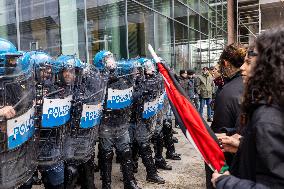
[259, 160]
[227, 103]
[183, 80]
[205, 90]
[218, 78]
[231, 143]
[192, 92]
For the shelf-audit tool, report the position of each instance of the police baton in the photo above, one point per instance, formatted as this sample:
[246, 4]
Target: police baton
[22, 99]
[55, 92]
[126, 75]
[93, 94]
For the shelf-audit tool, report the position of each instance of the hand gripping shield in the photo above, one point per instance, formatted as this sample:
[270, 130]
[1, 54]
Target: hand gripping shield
[54, 98]
[89, 94]
[119, 98]
[18, 138]
[149, 105]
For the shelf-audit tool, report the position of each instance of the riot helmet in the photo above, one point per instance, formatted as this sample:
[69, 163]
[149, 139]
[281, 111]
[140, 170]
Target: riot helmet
[8, 57]
[104, 60]
[125, 68]
[64, 67]
[149, 67]
[41, 62]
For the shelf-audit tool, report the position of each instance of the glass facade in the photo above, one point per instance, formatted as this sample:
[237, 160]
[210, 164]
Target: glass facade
[188, 34]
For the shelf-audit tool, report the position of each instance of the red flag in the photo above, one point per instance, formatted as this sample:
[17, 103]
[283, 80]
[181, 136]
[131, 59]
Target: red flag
[192, 124]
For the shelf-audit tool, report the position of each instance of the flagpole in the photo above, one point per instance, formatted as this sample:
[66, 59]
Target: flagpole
[153, 53]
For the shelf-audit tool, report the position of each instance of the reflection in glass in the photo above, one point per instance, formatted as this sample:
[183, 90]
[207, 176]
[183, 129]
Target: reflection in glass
[8, 28]
[186, 33]
[106, 28]
[180, 12]
[181, 47]
[163, 6]
[163, 38]
[140, 29]
[39, 26]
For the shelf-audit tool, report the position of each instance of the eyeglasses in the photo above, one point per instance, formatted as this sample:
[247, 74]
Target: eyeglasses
[251, 54]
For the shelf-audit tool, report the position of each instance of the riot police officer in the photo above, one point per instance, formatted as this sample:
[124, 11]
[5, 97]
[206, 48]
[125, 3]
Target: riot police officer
[143, 125]
[164, 133]
[86, 116]
[18, 145]
[113, 131]
[158, 137]
[55, 82]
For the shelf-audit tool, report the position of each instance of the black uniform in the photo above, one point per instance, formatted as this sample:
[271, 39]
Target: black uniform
[259, 161]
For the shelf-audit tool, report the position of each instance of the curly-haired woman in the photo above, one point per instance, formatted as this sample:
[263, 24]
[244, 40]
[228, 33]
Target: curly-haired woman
[227, 106]
[260, 158]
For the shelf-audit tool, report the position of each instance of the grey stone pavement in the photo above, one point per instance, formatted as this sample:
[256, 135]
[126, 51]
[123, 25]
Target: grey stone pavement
[186, 174]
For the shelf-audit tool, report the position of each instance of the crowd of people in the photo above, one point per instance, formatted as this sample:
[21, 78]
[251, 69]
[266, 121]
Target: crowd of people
[247, 87]
[55, 112]
[249, 114]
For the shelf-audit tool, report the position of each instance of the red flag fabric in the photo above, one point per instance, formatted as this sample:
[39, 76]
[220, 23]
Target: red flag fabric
[192, 124]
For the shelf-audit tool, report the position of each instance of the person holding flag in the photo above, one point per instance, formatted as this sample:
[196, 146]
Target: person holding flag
[259, 163]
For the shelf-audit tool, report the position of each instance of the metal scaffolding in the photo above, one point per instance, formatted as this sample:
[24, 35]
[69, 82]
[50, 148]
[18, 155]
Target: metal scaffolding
[248, 20]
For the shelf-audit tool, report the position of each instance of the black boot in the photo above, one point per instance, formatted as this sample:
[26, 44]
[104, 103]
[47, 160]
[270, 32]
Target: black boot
[86, 175]
[118, 157]
[169, 142]
[170, 154]
[99, 157]
[71, 176]
[147, 159]
[135, 156]
[174, 132]
[96, 168]
[127, 170]
[160, 162]
[175, 140]
[106, 168]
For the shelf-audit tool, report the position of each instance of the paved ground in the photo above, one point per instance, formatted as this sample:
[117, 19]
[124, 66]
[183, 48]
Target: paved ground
[186, 174]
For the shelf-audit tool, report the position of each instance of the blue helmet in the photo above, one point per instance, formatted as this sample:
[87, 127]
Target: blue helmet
[65, 62]
[79, 63]
[125, 67]
[143, 60]
[8, 49]
[35, 58]
[98, 60]
[8, 56]
[147, 64]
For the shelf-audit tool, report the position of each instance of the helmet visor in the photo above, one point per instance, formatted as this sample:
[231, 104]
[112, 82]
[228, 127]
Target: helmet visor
[110, 62]
[11, 61]
[149, 67]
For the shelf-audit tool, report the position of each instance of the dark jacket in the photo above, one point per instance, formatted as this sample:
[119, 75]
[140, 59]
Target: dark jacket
[192, 87]
[184, 84]
[228, 105]
[259, 163]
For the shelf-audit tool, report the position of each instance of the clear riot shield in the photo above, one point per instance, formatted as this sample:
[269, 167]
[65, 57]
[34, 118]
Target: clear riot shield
[161, 108]
[119, 98]
[86, 115]
[149, 107]
[54, 109]
[18, 138]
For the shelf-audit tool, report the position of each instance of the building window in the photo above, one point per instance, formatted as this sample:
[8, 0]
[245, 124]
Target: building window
[107, 28]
